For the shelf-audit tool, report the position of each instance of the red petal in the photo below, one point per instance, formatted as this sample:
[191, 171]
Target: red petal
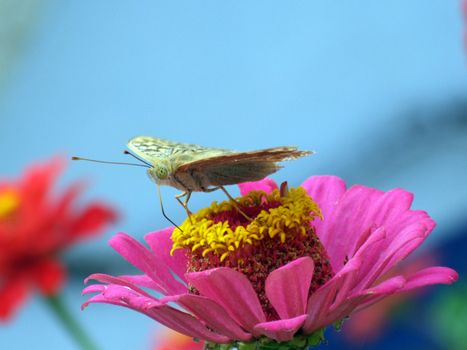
[38, 181]
[65, 203]
[92, 219]
[12, 294]
[49, 276]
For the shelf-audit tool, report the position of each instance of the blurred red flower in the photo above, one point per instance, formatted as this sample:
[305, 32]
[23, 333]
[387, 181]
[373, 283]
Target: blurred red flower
[35, 227]
[171, 340]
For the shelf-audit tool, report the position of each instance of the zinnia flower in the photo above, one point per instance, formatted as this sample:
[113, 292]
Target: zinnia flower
[307, 258]
[35, 228]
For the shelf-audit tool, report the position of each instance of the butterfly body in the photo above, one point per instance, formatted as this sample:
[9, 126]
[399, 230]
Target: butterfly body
[194, 168]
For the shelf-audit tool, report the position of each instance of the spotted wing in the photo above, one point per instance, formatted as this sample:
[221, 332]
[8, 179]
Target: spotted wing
[238, 167]
[154, 149]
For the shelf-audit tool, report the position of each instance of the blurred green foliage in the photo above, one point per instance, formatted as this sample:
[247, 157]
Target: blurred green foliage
[449, 317]
[16, 21]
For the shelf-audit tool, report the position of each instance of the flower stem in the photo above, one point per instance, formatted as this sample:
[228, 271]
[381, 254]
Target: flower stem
[69, 322]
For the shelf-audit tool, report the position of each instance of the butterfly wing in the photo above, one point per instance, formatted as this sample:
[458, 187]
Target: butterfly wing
[236, 167]
[154, 149]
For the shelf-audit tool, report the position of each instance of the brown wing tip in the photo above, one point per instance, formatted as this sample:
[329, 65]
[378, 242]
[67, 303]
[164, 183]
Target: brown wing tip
[307, 153]
[298, 154]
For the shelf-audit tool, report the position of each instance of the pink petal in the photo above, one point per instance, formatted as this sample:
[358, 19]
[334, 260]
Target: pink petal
[119, 295]
[185, 324]
[408, 218]
[143, 281]
[321, 301]
[390, 211]
[161, 244]
[388, 208]
[233, 291]
[167, 315]
[99, 298]
[344, 304]
[429, 276]
[145, 260]
[266, 185]
[398, 284]
[408, 239]
[287, 287]
[115, 280]
[350, 217]
[343, 310]
[370, 254]
[340, 310]
[347, 224]
[396, 249]
[387, 287]
[281, 330]
[213, 315]
[326, 191]
[381, 291]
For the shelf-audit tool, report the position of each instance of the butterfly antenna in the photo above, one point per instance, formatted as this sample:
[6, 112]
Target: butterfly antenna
[107, 162]
[162, 209]
[138, 158]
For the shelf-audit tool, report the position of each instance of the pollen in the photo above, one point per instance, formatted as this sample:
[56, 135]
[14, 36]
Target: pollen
[221, 230]
[9, 203]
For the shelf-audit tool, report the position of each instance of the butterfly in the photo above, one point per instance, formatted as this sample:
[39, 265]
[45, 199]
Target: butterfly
[193, 168]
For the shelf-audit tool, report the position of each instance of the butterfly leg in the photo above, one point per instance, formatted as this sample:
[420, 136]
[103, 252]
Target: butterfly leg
[234, 202]
[163, 211]
[187, 195]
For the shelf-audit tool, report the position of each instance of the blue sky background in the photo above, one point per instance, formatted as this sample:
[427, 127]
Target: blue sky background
[378, 89]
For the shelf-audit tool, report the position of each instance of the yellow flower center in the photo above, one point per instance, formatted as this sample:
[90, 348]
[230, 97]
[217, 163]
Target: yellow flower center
[221, 230]
[9, 203]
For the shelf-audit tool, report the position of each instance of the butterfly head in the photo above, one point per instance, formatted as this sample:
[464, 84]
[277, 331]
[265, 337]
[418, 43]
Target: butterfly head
[159, 172]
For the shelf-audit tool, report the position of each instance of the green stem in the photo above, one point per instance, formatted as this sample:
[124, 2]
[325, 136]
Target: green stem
[70, 323]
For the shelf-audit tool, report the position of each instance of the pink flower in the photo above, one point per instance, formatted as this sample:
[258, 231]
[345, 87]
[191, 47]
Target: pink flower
[285, 274]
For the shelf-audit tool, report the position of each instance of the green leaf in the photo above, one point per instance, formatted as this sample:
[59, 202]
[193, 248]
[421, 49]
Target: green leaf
[316, 338]
[247, 346]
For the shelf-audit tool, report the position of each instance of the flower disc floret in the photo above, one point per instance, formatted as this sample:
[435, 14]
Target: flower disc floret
[222, 230]
[9, 203]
